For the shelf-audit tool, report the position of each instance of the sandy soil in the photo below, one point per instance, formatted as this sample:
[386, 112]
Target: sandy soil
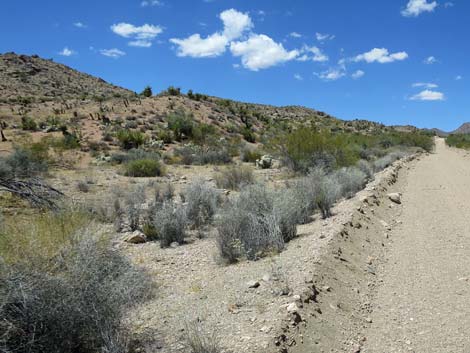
[423, 304]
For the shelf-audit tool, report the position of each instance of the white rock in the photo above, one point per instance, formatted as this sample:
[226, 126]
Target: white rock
[395, 197]
[253, 284]
[292, 308]
[136, 237]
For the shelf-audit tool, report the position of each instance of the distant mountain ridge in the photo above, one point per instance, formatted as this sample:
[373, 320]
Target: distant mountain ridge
[463, 129]
[26, 77]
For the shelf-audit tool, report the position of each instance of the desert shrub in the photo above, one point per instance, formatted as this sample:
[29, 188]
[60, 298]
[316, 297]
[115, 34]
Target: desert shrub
[133, 155]
[248, 135]
[130, 139]
[201, 202]
[83, 186]
[25, 162]
[289, 212]
[203, 133]
[458, 140]
[133, 202]
[202, 155]
[387, 160]
[250, 155]
[248, 227]
[170, 222]
[199, 341]
[181, 124]
[75, 303]
[366, 168]
[325, 189]
[144, 168]
[351, 180]
[172, 91]
[147, 92]
[234, 177]
[28, 123]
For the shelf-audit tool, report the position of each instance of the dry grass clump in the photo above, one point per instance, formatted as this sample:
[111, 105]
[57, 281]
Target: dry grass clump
[62, 287]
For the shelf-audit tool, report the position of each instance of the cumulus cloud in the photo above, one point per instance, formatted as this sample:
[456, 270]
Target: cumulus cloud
[425, 85]
[430, 60]
[67, 52]
[324, 37]
[260, 52]
[331, 74]
[142, 36]
[235, 25]
[112, 53]
[298, 77]
[312, 54]
[358, 74]
[381, 56]
[428, 95]
[416, 7]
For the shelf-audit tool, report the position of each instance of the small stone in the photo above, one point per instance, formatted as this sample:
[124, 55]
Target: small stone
[395, 197]
[292, 308]
[253, 284]
[267, 278]
[369, 320]
[174, 245]
[266, 329]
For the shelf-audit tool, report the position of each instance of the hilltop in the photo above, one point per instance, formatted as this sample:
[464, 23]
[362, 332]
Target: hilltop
[24, 77]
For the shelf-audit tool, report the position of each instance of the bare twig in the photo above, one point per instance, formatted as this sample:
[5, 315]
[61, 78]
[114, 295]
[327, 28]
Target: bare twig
[35, 191]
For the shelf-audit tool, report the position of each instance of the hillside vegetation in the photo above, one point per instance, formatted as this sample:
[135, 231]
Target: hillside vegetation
[81, 159]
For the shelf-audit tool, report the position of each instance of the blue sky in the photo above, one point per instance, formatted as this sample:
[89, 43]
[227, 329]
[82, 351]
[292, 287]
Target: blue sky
[395, 61]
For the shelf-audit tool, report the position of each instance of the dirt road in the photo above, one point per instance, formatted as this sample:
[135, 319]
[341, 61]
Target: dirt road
[423, 304]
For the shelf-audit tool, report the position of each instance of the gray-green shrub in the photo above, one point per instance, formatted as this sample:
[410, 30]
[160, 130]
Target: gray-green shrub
[76, 304]
[351, 180]
[365, 167]
[201, 202]
[234, 177]
[170, 223]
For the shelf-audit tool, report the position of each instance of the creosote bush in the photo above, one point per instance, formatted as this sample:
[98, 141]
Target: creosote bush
[141, 168]
[25, 162]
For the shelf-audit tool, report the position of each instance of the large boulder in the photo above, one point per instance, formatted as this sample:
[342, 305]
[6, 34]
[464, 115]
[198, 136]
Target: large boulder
[136, 237]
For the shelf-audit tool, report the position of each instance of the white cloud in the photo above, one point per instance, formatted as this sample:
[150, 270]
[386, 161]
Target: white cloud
[261, 52]
[67, 52]
[112, 53]
[381, 56]
[428, 95]
[430, 60]
[448, 4]
[146, 3]
[142, 36]
[313, 54]
[323, 37]
[458, 78]
[298, 77]
[235, 25]
[424, 84]
[295, 35]
[416, 7]
[331, 74]
[358, 74]
[80, 25]
[197, 47]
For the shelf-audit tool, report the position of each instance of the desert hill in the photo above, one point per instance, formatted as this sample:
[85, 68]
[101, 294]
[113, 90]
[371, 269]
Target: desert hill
[32, 78]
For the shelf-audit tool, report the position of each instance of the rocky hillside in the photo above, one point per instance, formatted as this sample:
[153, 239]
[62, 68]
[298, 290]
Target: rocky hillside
[25, 77]
[463, 129]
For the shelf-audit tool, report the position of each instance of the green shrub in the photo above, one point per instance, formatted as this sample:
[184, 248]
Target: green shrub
[202, 155]
[130, 139]
[25, 162]
[27, 123]
[458, 140]
[181, 124]
[234, 177]
[144, 168]
[250, 155]
[248, 135]
[351, 180]
[147, 92]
